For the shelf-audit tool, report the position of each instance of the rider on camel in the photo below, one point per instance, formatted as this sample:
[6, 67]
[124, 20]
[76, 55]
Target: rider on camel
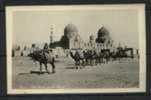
[46, 48]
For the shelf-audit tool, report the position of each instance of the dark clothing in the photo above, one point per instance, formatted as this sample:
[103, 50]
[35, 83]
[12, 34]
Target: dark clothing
[45, 49]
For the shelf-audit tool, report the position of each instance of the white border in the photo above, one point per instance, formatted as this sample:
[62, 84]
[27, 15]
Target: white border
[142, 46]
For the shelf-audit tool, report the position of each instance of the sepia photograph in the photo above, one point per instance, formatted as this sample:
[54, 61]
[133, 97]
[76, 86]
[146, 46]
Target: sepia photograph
[76, 49]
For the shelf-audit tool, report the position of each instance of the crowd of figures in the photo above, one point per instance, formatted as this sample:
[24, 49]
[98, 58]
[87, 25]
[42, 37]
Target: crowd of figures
[92, 57]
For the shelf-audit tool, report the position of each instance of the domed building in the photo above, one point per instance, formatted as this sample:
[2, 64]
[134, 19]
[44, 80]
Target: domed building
[103, 39]
[71, 39]
[70, 31]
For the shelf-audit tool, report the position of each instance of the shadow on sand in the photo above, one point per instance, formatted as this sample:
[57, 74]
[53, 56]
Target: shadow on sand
[75, 67]
[34, 72]
[71, 67]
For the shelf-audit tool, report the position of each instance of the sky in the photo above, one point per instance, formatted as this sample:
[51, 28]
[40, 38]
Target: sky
[34, 26]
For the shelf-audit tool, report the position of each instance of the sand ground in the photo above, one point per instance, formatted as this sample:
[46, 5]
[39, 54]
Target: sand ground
[116, 74]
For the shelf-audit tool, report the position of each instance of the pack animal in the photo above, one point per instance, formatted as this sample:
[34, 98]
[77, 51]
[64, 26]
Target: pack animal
[43, 58]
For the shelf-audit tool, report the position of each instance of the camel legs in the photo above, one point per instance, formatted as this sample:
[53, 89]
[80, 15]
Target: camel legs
[46, 67]
[40, 68]
[53, 67]
[76, 64]
[83, 63]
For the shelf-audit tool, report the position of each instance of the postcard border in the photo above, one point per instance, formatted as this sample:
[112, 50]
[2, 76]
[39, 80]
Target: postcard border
[9, 10]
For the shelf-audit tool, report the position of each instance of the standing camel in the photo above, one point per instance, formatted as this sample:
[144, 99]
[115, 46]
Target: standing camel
[78, 58]
[43, 58]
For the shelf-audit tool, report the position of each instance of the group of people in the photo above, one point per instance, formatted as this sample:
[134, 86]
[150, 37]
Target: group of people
[91, 57]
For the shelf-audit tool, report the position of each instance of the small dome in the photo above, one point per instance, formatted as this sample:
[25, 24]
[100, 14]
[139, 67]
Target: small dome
[70, 30]
[103, 35]
[91, 37]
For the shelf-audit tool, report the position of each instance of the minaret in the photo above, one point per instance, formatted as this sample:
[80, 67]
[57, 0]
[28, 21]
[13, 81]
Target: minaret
[51, 34]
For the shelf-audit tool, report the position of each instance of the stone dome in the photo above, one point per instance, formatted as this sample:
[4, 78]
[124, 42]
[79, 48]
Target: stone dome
[103, 32]
[70, 30]
[102, 35]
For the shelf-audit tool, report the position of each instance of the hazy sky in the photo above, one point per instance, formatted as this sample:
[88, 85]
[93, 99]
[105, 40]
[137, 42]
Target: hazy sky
[34, 26]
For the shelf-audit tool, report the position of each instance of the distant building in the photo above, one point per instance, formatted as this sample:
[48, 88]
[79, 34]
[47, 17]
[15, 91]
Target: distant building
[103, 39]
[74, 40]
[70, 40]
[51, 34]
[91, 44]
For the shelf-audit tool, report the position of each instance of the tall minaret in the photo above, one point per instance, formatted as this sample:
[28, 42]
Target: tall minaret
[51, 34]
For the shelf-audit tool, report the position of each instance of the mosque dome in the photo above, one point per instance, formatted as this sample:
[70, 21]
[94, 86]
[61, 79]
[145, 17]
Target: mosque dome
[102, 35]
[103, 32]
[70, 30]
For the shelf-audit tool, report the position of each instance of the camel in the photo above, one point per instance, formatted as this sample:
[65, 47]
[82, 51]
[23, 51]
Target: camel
[86, 57]
[78, 58]
[43, 58]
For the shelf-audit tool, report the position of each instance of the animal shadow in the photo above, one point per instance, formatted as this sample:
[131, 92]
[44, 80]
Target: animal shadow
[23, 73]
[70, 67]
[35, 72]
[38, 72]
